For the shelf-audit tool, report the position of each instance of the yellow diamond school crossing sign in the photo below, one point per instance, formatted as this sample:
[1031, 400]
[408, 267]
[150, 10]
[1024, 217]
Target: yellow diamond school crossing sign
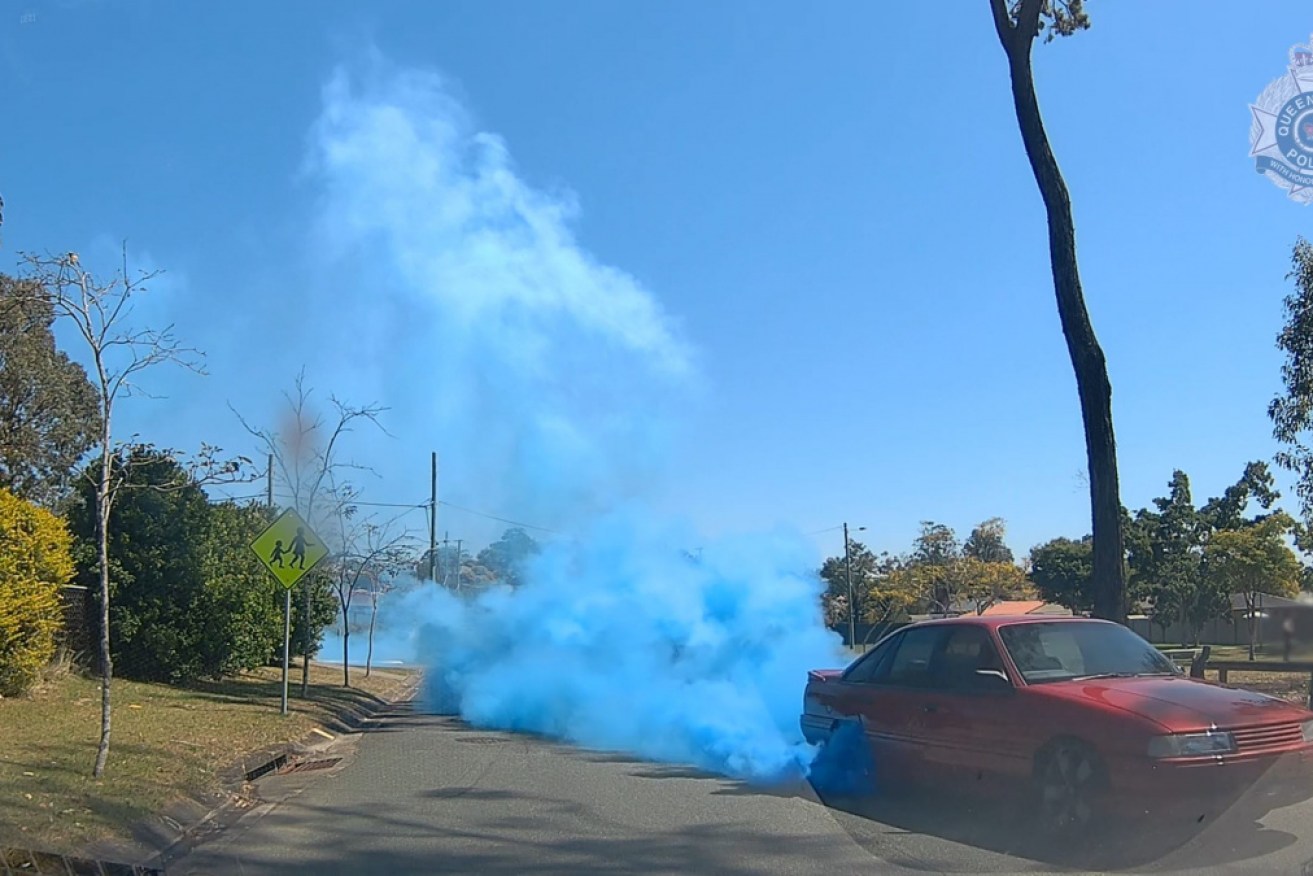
[289, 548]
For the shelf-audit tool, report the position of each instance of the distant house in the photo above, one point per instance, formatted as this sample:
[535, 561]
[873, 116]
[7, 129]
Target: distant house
[1030, 607]
[1004, 608]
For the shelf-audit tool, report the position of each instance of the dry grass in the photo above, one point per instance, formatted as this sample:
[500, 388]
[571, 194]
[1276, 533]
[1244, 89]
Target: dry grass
[167, 742]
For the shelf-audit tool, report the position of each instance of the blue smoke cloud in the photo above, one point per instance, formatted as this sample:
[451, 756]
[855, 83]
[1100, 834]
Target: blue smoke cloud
[555, 381]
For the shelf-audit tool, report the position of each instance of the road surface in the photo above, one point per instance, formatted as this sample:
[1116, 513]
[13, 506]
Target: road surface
[426, 794]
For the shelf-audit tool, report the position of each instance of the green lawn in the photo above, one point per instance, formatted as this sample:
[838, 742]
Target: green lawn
[167, 742]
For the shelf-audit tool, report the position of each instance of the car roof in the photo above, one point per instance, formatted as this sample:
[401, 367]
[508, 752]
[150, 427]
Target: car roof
[1003, 620]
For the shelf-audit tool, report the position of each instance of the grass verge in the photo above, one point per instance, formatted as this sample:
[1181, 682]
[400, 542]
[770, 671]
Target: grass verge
[167, 742]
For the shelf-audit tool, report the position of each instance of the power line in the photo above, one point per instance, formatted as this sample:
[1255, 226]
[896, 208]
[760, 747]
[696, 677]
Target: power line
[500, 519]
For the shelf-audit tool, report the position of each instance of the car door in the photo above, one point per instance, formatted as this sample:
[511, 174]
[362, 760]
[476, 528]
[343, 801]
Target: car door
[973, 730]
[889, 704]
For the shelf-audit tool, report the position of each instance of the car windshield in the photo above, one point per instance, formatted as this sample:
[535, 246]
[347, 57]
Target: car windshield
[1062, 651]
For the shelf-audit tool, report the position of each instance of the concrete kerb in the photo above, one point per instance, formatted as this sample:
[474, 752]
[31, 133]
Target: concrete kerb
[186, 821]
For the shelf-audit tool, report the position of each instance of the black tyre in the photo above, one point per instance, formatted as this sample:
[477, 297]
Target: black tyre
[1070, 788]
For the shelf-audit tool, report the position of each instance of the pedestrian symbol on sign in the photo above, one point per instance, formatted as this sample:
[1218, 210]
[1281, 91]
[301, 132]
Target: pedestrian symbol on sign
[289, 548]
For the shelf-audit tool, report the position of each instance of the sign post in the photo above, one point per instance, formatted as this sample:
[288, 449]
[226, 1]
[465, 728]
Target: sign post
[288, 548]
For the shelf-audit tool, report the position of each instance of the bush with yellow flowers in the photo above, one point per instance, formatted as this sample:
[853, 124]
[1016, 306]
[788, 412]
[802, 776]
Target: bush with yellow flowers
[35, 562]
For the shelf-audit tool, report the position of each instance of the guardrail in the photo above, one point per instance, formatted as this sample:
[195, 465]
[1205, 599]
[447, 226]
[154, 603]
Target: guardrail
[1200, 664]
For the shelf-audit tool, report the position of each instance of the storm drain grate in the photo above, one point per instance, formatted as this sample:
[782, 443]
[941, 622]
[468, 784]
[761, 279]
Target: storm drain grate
[266, 768]
[306, 766]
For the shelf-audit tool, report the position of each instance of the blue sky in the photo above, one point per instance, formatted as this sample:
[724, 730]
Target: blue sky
[770, 269]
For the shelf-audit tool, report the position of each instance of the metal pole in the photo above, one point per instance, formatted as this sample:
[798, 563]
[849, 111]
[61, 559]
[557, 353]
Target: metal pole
[433, 517]
[287, 639]
[852, 607]
[287, 593]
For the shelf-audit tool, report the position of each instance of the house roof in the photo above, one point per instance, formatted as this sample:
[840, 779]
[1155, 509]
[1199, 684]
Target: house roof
[1011, 608]
[1265, 601]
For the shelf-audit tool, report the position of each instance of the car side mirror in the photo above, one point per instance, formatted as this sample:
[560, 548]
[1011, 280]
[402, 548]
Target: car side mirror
[993, 679]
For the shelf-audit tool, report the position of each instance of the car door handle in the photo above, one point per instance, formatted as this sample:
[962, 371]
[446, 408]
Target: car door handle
[930, 708]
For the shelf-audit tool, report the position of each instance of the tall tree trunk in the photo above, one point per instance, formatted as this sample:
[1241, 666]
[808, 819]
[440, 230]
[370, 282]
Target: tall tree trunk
[102, 555]
[369, 646]
[346, 638]
[1086, 355]
[305, 641]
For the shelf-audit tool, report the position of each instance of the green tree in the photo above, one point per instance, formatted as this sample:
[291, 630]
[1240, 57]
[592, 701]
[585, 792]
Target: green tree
[988, 543]
[1062, 571]
[155, 559]
[34, 563]
[1254, 560]
[1292, 411]
[240, 605]
[933, 563]
[48, 411]
[1165, 553]
[309, 627]
[1017, 24]
[506, 557]
[987, 582]
[879, 593]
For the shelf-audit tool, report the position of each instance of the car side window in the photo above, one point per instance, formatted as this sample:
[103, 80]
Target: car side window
[910, 664]
[866, 668]
[966, 650]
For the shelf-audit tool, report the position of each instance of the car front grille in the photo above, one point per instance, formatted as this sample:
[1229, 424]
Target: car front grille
[1273, 737]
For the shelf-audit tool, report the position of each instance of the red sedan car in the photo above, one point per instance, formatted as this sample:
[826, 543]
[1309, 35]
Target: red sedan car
[1083, 715]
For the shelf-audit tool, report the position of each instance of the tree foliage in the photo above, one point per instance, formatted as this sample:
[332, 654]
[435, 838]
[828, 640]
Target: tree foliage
[1292, 411]
[188, 598]
[242, 623]
[505, 558]
[35, 561]
[155, 551]
[48, 409]
[1253, 560]
[1062, 571]
[879, 594]
[988, 543]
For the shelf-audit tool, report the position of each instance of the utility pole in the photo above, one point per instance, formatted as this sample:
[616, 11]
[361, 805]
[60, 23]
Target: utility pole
[287, 591]
[848, 573]
[433, 517]
[458, 556]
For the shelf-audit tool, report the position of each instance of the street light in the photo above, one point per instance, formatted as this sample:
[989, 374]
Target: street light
[848, 573]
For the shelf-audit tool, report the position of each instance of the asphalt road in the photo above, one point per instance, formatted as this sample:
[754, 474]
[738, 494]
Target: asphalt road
[425, 794]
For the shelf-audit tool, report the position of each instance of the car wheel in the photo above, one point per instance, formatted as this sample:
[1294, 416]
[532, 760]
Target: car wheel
[1069, 785]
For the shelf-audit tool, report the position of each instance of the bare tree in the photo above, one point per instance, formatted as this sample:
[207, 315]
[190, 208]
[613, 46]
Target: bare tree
[306, 449]
[1018, 23]
[100, 312]
[370, 553]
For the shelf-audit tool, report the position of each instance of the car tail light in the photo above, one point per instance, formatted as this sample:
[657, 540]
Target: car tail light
[1192, 744]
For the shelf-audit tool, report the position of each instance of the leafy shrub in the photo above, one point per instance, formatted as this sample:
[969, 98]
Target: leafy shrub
[35, 562]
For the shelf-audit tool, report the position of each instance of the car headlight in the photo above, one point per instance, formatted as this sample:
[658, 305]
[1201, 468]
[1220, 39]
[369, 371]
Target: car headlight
[1199, 744]
[1307, 728]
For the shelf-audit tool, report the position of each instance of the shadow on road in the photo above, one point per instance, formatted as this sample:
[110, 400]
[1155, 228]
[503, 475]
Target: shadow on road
[895, 828]
[387, 840]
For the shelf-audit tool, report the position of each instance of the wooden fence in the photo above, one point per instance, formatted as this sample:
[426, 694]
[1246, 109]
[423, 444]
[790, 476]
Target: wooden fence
[1199, 663]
